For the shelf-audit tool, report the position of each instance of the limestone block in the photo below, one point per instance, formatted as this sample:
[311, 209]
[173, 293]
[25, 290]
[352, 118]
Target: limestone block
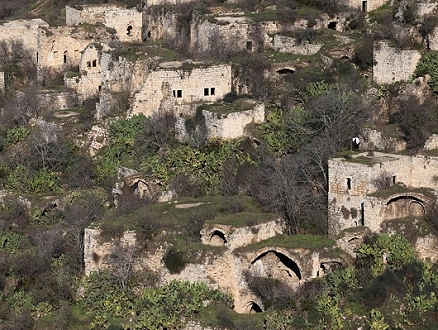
[392, 64]
[232, 125]
[431, 143]
[97, 138]
[183, 86]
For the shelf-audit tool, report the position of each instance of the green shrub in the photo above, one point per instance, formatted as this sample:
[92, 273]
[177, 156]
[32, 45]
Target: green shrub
[429, 65]
[16, 134]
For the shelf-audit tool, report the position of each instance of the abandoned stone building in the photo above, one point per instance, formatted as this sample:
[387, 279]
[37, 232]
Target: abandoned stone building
[184, 85]
[371, 187]
[225, 269]
[364, 5]
[127, 23]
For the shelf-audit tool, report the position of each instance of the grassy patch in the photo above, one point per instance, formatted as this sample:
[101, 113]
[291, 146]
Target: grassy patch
[310, 242]
[275, 57]
[263, 16]
[226, 108]
[178, 214]
[243, 219]
[369, 161]
[214, 316]
[71, 74]
[401, 189]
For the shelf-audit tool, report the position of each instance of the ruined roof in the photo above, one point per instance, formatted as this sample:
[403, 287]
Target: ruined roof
[35, 22]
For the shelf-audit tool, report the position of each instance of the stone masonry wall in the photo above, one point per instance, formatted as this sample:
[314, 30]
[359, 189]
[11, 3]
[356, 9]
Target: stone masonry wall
[184, 86]
[352, 182]
[392, 64]
[110, 15]
[60, 48]
[285, 44]
[89, 82]
[25, 31]
[2, 82]
[361, 5]
[232, 125]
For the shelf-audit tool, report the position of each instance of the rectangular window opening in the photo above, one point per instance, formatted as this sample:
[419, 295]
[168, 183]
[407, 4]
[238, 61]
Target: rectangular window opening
[88, 64]
[174, 93]
[212, 91]
[205, 91]
[94, 63]
[178, 93]
[393, 179]
[348, 183]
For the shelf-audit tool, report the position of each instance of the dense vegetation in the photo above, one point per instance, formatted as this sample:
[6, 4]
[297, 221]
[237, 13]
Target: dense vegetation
[55, 189]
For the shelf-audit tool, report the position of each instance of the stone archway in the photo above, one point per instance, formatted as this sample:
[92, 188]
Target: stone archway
[217, 238]
[273, 264]
[253, 308]
[403, 206]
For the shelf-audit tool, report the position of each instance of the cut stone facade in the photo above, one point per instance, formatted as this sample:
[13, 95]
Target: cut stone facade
[392, 64]
[232, 125]
[25, 31]
[88, 82]
[182, 86]
[364, 5]
[128, 23]
[354, 184]
[60, 48]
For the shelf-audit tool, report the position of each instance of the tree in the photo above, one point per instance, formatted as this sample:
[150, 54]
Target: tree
[337, 117]
[280, 187]
[427, 27]
[79, 214]
[122, 264]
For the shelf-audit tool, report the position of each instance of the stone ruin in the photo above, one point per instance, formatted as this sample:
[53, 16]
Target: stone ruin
[225, 268]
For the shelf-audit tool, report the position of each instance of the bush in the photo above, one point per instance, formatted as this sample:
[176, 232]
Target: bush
[363, 54]
[174, 260]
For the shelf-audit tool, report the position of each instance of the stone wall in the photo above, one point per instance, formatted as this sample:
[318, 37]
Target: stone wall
[352, 182]
[365, 6]
[433, 39]
[55, 100]
[25, 31]
[2, 81]
[60, 48]
[172, 81]
[285, 44]
[232, 125]
[392, 64]
[431, 143]
[89, 81]
[223, 267]
[372, 139]
[127, 22]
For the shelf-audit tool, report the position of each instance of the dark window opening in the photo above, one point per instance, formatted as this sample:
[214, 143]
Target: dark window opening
[174, 93]
[364, 6]
[212, 91]
[88, 64]
[179, 93]
[348, 183]
[65, 57]
[249, 45]
[205, 91]
[149, 34]
[37, 57]
[128, 31]
[100, 88]
[94, 63]
[332, 25]
[393, 179]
